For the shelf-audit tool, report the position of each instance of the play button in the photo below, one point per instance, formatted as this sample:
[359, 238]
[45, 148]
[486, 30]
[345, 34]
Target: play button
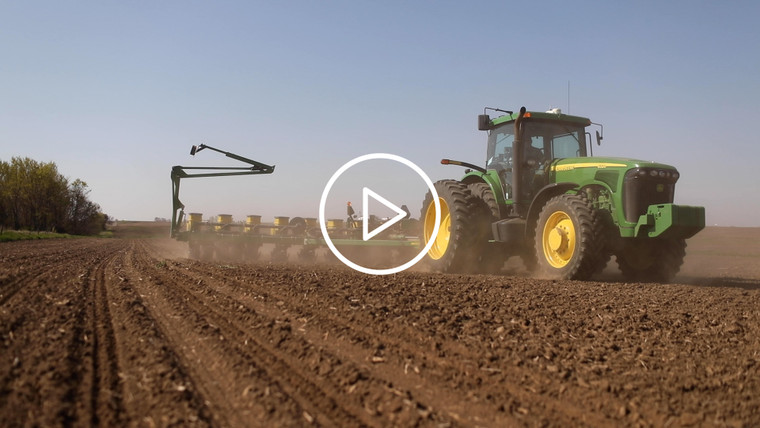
[400, 214]
[367, 235]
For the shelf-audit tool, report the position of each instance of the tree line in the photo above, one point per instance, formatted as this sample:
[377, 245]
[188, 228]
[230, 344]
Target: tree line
[35, 196]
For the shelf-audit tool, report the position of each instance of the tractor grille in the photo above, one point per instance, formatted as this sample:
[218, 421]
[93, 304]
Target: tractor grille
[643, 187]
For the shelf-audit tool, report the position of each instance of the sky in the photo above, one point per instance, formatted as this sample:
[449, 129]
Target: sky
[116, 93]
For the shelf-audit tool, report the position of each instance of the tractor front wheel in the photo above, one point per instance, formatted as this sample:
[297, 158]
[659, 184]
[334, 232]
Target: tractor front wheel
[568, 238]
[454, 247]
[651, 260]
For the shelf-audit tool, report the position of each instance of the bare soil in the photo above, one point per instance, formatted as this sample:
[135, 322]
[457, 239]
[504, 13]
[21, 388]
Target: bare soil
[128, 331]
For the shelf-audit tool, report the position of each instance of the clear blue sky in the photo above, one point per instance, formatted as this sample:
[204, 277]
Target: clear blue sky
[115, 93]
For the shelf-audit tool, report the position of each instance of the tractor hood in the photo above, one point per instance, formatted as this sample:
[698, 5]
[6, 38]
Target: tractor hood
[596, 163]
[636, 183]
[615, 174]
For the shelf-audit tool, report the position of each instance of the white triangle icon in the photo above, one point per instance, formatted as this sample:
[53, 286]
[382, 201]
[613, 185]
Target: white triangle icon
[400, 214]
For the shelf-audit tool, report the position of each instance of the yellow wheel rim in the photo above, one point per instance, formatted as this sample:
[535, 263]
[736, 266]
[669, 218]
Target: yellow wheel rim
[558, 239]
[441, 242]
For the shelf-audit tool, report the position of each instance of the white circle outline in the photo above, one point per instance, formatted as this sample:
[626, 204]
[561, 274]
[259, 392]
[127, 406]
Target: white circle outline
[323, 202]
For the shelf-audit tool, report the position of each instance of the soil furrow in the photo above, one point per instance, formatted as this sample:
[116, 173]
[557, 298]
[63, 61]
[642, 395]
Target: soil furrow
[318, 404]
[395, 342]
[38, 266]
[158, 389]
[107, 393]
[352, 343]
[49, 317]
[235, 390]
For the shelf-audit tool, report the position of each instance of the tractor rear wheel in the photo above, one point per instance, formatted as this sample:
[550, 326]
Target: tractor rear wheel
[568, 238]
[454, 246]
[490, 256]
[651, 260]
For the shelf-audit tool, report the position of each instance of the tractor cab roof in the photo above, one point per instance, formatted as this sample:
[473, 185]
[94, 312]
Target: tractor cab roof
[553, 115]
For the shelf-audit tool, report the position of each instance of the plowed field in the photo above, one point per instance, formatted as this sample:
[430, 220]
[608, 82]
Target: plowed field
[128, 331]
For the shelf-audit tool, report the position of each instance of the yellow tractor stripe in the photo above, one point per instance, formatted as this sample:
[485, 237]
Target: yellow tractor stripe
[571, 166]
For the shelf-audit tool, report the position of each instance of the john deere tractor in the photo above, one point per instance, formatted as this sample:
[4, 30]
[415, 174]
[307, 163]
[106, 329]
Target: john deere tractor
[542, 196]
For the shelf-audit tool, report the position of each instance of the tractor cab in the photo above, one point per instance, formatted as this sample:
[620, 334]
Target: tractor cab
[544, 138]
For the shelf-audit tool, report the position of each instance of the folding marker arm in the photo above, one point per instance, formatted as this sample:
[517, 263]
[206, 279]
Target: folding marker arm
[180, 172]
[257, 168]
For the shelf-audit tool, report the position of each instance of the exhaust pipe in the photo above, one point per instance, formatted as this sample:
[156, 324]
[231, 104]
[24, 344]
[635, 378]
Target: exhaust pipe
[517, 165]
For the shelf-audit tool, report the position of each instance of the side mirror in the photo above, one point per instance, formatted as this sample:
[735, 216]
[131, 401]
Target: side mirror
[484, 122]
[599, 138]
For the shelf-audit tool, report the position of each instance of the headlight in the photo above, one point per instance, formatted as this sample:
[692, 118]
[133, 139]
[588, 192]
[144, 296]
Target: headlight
[659, 174]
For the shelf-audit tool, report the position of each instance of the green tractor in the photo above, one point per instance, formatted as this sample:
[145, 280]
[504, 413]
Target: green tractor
[542, 196]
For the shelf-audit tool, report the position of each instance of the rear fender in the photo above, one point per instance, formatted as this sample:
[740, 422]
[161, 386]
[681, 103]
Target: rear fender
[491, 178]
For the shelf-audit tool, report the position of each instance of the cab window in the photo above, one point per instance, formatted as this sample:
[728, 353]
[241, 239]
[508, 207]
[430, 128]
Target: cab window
[566, 146]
